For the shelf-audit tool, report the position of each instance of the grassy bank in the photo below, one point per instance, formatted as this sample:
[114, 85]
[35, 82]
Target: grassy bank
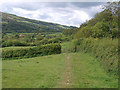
[87, 72]
[105, 50]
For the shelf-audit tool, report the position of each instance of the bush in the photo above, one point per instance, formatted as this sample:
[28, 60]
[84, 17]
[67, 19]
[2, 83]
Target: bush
[84, 32]
[6, 44]
[48, 41]
[32, 52]
[65, 39]
[14, 43]
[99, 30]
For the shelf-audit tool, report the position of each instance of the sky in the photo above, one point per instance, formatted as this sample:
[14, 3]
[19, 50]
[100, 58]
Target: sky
[65, 13]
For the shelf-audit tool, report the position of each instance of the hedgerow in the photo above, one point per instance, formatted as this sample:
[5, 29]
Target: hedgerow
[105, 49]
[14, 43]
[41, 50]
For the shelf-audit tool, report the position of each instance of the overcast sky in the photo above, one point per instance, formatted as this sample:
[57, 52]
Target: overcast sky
[65, 13]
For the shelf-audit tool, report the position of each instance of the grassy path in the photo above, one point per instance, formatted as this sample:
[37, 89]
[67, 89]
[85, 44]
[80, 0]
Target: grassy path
[68, 70]
[86, 72]
[65, 81]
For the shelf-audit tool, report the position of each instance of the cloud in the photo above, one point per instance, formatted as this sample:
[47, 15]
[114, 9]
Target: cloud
[65, 13]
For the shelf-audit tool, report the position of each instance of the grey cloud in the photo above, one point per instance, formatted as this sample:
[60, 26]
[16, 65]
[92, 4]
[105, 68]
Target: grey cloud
[45, 16]
[86, 4]
[37, 5]
[64, 9]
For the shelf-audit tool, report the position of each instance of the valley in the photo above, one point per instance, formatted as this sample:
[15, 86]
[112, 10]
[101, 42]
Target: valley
[39, 54]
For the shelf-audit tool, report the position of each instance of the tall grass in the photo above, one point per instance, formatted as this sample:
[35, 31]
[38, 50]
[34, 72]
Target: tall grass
[105, 49]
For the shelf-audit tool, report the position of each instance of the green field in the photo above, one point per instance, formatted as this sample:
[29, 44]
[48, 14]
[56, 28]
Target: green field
[38, 72]
[68, 70]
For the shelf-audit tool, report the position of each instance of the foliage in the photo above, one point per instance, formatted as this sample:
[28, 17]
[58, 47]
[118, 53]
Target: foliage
[104, 24]
[100, 30]
[14, 43]
[84, 32]
[32, 39]
[69, 31]
[32, 52]
[52, 40]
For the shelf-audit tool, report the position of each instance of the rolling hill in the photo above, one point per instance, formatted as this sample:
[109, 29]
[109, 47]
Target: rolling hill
[13, 23]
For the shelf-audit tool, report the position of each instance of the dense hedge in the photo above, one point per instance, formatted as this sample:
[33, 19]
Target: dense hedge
[14, 43]
[32, 52]
[106, 50]
[52, 40]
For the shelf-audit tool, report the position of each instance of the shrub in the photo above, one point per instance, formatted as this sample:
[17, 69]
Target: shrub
[84, 32]
[48, 41]
[14, 43]
[32, 52]
[6, 44]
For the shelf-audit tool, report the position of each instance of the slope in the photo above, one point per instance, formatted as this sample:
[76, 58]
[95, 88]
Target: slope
[13, 23]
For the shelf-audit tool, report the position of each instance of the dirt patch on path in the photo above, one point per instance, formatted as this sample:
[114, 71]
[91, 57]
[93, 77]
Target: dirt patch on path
[65, 81]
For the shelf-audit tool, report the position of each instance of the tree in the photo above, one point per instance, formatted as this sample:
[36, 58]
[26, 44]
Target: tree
[110, 10]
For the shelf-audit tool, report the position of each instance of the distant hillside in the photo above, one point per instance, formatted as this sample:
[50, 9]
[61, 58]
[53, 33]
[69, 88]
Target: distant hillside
[13, 23]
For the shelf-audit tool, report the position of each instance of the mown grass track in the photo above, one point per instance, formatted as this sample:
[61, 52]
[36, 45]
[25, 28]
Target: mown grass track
[49, 72]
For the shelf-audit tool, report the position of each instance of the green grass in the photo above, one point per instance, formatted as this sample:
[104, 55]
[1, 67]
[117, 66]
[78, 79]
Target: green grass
[67, 47]
[104, 49]
[38, 72]
[88, 73]
[48, 71]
